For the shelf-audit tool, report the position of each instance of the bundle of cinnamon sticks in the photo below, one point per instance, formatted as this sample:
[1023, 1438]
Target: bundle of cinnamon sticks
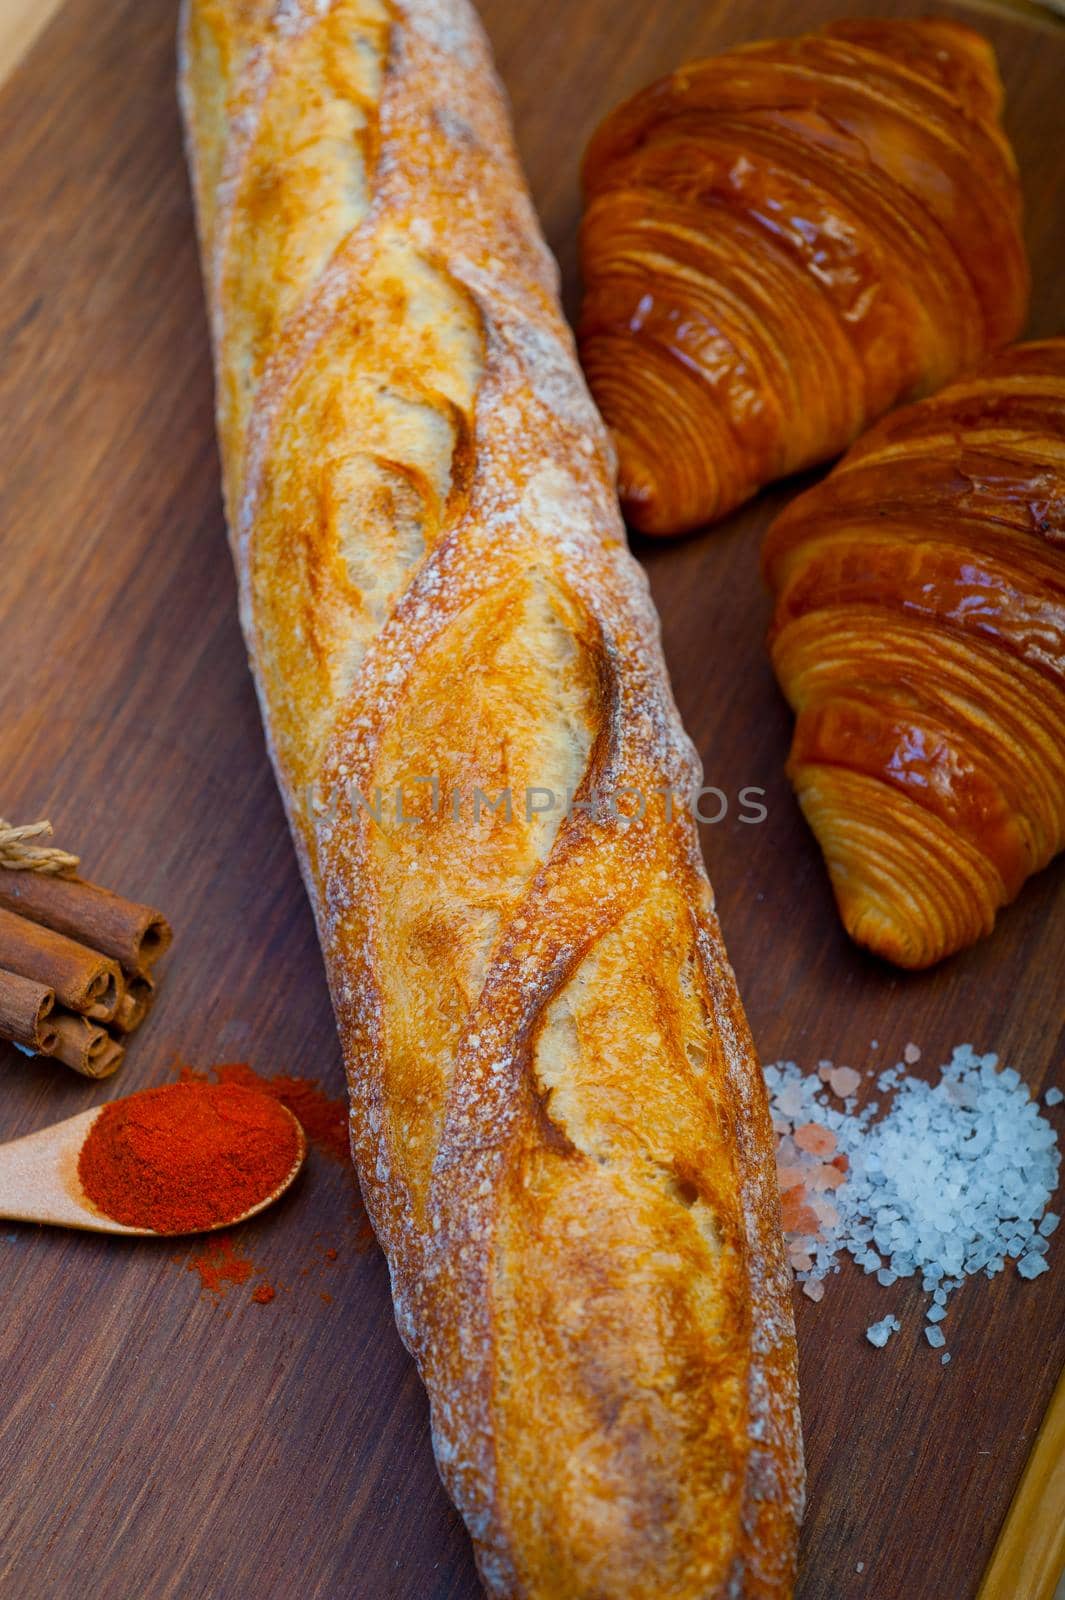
[75, 968]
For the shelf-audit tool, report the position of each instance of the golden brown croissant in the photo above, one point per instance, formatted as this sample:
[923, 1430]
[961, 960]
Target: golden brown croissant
[919, 634]
[557, 1114]
[783, 242]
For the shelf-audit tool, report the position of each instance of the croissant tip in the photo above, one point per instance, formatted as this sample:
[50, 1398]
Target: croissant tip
[889, 938]
[908, 888]
[645, 512]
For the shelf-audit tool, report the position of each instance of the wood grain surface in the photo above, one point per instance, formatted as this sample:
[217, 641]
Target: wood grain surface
[155, 1441]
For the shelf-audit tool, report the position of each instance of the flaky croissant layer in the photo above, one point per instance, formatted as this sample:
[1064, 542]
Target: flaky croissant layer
[919, 635]
[784, 241]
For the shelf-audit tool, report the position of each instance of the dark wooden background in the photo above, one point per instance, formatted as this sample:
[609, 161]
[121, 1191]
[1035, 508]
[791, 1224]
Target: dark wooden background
[153, 1442]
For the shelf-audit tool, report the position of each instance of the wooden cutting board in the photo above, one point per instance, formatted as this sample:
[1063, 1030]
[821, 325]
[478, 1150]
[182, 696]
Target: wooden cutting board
[157, 1442]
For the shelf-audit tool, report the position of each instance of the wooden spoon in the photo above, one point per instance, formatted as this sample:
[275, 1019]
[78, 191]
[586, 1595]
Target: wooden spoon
[39, 1180]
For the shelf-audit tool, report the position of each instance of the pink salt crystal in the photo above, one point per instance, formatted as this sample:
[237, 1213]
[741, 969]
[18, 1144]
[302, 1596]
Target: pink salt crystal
[796, 1216]
[801, 1262]
[911, 1055]
[790, 1098]
[827, 1213]
[790, 1177]
[817, 1140]
[814, 1289]
[824, 1071]
[844, 1081]
[824, 1177]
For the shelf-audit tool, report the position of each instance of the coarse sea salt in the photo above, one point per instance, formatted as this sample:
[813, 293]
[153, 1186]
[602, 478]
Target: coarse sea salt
[880, 1332]
[952, 1179]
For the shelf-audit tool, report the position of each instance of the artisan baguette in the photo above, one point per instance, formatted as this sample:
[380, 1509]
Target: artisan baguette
[557, 1115]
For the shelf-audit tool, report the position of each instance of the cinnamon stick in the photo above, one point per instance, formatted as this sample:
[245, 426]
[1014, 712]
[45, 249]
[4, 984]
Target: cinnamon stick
[135, 1004]
[85, 1046]
[109, 1060]
[83, 980]
[133, 935]
[26, 1014]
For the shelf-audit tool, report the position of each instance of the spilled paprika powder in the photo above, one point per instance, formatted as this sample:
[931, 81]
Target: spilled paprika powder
[323, 1118]
[220, 1263]
[188, 1156]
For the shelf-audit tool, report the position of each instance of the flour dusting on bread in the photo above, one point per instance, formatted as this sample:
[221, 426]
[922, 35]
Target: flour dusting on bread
[558, 1119]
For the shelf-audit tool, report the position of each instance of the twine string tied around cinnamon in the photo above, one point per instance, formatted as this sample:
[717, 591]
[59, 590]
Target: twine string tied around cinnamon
[19, 853]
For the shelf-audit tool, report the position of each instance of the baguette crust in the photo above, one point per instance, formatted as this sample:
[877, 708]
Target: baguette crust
[558, 1119]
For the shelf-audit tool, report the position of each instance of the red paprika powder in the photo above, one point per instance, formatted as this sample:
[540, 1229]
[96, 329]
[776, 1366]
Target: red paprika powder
[188, 1156]
[220, 1263]
[323, 1118]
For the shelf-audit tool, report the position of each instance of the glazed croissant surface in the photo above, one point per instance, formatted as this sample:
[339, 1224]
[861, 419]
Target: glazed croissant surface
[919, 635]
[781, 243]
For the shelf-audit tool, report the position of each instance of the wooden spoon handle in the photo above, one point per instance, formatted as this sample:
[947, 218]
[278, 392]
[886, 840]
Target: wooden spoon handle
[39, 1178]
